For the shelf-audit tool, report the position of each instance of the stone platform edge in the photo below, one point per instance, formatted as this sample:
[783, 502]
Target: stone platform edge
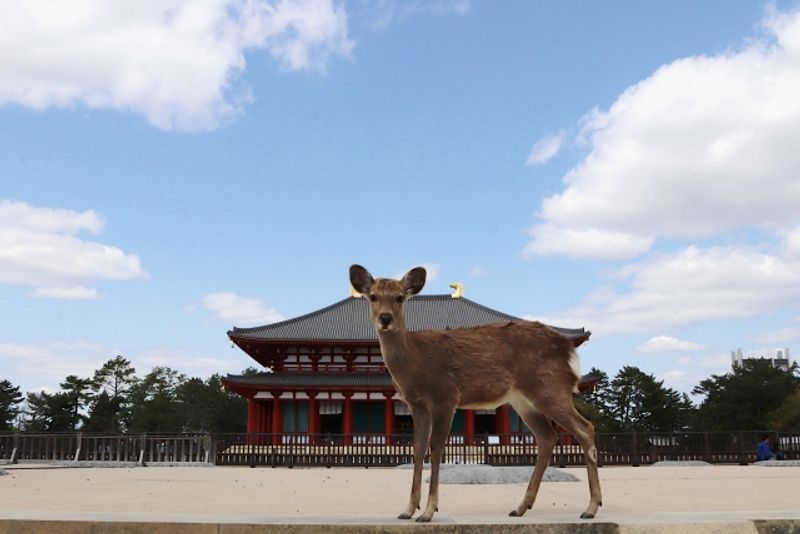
[56, 526]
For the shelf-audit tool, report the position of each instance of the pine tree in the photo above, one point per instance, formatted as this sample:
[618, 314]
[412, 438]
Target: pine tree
[10, 397]
[748, 397]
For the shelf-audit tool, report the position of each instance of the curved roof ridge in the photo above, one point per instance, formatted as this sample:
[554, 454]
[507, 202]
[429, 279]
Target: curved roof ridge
[309, 315]
[348, 319]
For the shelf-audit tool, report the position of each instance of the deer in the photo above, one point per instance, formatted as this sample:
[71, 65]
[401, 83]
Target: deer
[524, 363]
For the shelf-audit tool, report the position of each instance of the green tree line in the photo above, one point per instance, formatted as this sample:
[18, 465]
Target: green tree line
[116, 399]
[753, 396]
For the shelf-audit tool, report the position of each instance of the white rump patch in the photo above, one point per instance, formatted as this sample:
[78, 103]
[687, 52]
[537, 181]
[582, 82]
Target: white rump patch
[575, 365]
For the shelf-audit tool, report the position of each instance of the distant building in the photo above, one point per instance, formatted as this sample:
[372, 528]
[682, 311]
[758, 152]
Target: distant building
[780, 359]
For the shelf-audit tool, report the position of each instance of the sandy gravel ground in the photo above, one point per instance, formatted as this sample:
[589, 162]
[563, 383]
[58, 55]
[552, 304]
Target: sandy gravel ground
[344, 494]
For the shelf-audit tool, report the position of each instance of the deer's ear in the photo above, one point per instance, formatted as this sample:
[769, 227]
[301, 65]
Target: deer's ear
[360, 279]
[414, 280]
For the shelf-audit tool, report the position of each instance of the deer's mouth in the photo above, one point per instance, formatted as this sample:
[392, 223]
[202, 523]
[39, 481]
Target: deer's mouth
[385, 327]
[385, 322]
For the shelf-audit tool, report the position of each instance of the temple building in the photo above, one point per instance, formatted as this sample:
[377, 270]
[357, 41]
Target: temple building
[325, 377]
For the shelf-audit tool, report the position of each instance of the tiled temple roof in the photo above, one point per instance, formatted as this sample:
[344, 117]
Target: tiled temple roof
[348, 320]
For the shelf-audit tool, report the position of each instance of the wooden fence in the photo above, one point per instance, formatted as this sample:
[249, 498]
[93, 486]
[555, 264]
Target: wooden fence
[518, 449]
[376, 450]
[94, 447]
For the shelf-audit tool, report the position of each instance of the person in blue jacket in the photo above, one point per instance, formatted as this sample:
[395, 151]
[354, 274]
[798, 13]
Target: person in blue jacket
[763, 451]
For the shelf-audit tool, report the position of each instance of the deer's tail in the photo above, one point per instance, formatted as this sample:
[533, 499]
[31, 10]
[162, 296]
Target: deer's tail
[575, 365]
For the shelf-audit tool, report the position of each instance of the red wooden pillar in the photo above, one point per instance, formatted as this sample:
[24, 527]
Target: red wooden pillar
[388, 417]
[251, 414]
[265, 419]
[566, 437]
[260, 416]
[257, 421]
[277, 418]
[313, 417]
[347, 418]
[469, 427]
[503, 423]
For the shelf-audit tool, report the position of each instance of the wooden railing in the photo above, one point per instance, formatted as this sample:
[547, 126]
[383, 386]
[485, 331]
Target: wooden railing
[93, 447]
[367, 450]
[516, 449]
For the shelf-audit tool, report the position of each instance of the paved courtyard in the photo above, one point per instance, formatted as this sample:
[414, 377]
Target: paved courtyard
[710, 495]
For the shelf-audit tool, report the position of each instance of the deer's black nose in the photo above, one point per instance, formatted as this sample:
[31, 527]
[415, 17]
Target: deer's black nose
[385, 319]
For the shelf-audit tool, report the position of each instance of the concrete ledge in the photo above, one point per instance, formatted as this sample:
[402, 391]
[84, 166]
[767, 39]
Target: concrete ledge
[68, 526]
[26, 526]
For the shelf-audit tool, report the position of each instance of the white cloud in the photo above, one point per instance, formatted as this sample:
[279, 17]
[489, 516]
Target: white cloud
[682, 380]
[718, 362]
[675, 375]
[240, 310]
[66, 293]
[546, 149]
[379, 14]
[779, 335]
[688, 372]
[478, 271]
[39, 247]
[791, 243]
[688, 286]
[48, 220]
[704, 146]
[42, 366]
[587, 243]
[432, 271]
[51, 362]
[182, 360]
[177, 62]
[15, 350]
[667, 344]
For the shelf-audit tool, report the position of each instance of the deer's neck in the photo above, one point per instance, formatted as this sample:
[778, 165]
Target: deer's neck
[396, 347]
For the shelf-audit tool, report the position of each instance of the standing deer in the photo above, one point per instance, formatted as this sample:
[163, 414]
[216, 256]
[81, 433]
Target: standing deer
[523, 363]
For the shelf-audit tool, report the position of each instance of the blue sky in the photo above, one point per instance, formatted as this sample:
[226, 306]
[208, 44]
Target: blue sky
[171, 169]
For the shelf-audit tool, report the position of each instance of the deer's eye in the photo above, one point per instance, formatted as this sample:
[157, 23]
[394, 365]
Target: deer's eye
[400, 298]
[373, 298]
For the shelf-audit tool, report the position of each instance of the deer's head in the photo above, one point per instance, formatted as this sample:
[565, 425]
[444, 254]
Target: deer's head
[386, 296]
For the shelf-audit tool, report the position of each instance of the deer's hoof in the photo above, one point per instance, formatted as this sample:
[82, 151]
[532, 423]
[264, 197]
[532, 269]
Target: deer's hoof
[404, 515]
[587, 515]
[514, 513]
[423, 519]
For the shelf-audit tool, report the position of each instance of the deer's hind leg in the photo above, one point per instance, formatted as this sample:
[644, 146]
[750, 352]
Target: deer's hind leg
[567, 416]
[546, 438]
[422, 434]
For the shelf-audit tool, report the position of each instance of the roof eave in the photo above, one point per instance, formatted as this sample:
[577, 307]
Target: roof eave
[305, 342]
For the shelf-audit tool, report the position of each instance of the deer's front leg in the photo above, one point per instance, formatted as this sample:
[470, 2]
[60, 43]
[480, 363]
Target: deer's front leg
[422, 434]
[442, 420]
